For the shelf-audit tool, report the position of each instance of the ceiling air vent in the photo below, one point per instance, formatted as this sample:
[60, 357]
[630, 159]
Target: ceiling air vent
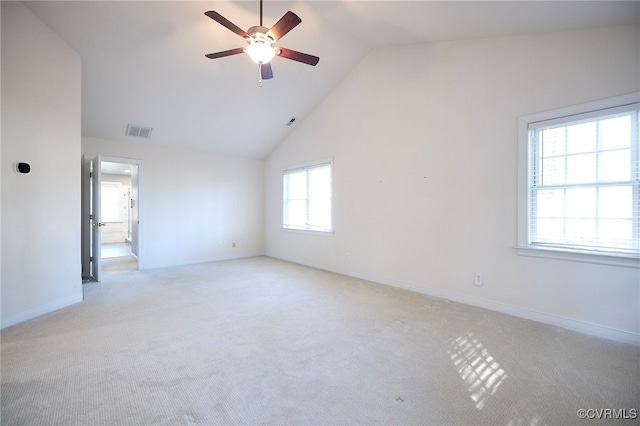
[139, 131]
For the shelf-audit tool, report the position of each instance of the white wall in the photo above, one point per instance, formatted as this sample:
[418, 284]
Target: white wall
[424, 141]
[194, 204]
[40, 211]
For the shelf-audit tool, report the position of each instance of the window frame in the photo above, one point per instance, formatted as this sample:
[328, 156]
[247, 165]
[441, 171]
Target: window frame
[300, 167]
[526, 159]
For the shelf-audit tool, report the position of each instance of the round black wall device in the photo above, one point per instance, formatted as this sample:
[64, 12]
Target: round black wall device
[23, 168]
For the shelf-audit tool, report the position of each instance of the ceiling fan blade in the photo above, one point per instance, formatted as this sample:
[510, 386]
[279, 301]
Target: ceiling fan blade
[288, 22]
[265, 71]
[225, 53]
[297, 56]
[226, 23]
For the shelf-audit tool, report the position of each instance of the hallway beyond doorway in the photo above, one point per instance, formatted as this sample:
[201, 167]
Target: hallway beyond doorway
[110, 250]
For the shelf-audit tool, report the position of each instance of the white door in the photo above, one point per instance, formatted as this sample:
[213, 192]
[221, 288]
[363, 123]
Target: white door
[96, 223]
[135, 214]
[86, 218]
[91, 224]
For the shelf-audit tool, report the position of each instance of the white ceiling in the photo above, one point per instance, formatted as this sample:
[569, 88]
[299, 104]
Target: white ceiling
[115, 168]
[143, 62]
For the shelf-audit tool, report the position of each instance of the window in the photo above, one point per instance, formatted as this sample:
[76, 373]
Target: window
[110, 202]
[307, 198]
[580, 182]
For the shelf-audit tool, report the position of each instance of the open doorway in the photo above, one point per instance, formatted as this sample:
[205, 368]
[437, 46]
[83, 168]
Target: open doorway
[111, 211]
[117, 213]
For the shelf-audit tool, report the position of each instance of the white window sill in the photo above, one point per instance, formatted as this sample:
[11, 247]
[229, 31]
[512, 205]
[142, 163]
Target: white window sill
[627, 261]
[308, 232]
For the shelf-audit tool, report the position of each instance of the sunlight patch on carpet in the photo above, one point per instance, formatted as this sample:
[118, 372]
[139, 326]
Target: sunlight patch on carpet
[480, 372]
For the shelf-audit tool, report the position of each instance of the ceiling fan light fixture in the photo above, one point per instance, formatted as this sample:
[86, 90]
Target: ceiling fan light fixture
[260, 52]
[261, 46]
[261, 42]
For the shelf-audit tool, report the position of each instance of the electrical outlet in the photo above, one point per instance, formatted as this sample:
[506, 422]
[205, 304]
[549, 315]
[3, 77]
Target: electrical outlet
[347, 256]
[477, 279]
[233, 244]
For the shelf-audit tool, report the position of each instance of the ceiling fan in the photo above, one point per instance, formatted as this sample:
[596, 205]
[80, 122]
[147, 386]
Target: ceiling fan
[261, 42]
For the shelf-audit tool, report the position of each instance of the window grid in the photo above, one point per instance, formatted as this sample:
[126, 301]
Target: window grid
[307, 198]
[543, 183]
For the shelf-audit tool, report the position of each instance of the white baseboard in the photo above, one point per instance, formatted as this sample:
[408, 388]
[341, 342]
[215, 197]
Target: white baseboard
[597, 330]
[41, 310]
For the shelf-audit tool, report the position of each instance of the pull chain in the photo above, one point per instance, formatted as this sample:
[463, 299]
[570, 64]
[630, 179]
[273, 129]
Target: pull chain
[260, 75]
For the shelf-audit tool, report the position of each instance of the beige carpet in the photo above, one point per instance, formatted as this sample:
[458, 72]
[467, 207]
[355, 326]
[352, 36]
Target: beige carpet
[119, 263]
[261, 341]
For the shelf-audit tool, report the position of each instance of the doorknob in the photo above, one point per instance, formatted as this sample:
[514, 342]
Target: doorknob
[99, 224]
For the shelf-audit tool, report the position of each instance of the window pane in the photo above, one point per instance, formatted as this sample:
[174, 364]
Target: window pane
[320, 214]
[614, 166]
[615, 202]
[581, 203]
[296, 213]
[297, 185]
[110, 203]
[550, 203]
[616, 233]
[553, 141]
[320, 182]
[581, 168]
[581, 138]
[615, 133]
[553, 171]
[550, 231]
[580, 232]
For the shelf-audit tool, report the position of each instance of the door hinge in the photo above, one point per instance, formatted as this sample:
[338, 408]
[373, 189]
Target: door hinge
[90, 217]
[91, 259]
[90, 174]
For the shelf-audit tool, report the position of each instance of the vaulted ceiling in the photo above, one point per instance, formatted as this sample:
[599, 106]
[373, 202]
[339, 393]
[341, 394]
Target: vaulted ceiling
[143, 62]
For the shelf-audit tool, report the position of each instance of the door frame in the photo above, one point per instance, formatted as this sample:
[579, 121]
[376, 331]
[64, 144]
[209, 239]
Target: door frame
[86, 206]
[136, 183]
